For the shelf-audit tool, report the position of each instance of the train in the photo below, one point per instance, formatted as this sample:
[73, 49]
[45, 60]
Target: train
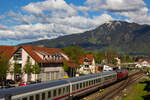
[64, 89]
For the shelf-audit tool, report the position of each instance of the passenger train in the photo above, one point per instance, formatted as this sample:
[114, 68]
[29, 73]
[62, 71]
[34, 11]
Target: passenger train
[65, 89]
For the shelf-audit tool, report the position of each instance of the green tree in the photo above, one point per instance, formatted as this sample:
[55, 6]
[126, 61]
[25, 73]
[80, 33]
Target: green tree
[114, 61]
[99, 57]
[16, 67]
[66, 66]
[4, 67]
[28, 68]
[36, 69]
[74, 53]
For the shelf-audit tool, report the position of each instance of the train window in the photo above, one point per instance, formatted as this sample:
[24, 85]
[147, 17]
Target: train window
[83, 84]
[99, 79]
[94, 81]
[43, 96]
[63, 90]
[59, 91]
[73, 87]
[24, 98]
[87, 84]
[67, 88]
[31, 98]
[80, 85]
[90, 83]
[77, 86]
[54, 93]
[49, 94]
[37, 97]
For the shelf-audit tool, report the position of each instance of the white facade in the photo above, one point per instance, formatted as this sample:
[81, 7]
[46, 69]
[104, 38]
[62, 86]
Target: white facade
[143, 64]
[48, 73]
[107, 68]
[87, 68]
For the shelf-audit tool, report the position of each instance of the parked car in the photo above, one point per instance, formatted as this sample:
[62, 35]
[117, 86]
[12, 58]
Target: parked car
[22, 83]
[32, 82]
[10, 81]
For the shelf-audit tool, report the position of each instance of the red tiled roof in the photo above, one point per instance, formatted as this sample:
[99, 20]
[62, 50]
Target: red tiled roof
[141, 60]
[89, 57]
[73, 65]
[31, 50]
[7, 50]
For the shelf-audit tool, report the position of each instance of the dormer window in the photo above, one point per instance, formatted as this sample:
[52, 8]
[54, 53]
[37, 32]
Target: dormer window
[86, 60]
[44, 56]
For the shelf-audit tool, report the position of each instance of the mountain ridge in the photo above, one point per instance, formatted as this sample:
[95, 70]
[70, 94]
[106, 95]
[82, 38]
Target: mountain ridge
[120, 36]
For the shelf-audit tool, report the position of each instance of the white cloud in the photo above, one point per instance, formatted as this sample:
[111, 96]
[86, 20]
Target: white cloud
[135, 10]
[115, 5]
[53, 18]
[53, 28]
[49, 5]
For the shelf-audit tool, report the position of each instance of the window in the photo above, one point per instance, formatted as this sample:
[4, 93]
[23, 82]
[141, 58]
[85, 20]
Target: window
[77, 86]
[59, 91]
[63, 90]
[73, 87]
[24, 98]
[49, 94]
[87, 84]
[37, 97]
[67, 88]
[43, 96]
[94, 81]
[31, 98]
[54, 93]
[83, 84]
[90, 82]
[80, 85]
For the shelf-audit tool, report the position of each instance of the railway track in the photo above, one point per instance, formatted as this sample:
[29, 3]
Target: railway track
[116, 91]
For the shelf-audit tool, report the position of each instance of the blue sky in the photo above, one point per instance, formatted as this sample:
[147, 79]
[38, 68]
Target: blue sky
[30, 20]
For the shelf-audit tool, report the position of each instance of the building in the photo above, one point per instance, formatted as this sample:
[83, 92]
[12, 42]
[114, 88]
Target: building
[143, 63]
[50, 61]
[87, 64]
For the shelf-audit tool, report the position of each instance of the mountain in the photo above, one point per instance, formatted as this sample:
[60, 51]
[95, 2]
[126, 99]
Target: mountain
[119, 36]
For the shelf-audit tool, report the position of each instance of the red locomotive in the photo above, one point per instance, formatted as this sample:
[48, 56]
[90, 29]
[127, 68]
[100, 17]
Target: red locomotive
[121, 74]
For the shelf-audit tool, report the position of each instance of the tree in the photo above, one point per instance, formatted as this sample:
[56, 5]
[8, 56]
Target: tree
[16, 67]
[114, 61]
[36, 69]
[28, 68]
[74, 52]
[4, 67]
[66, 66]
[99, 57]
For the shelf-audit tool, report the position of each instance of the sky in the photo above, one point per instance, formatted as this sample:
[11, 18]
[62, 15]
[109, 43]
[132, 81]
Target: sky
[31, 20]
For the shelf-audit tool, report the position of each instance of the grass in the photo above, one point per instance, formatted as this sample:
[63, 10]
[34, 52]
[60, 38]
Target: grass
[140, 91]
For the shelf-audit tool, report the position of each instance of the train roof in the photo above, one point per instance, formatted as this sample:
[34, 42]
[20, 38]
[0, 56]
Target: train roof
[29, 88]
[40, 86]
[76, 79]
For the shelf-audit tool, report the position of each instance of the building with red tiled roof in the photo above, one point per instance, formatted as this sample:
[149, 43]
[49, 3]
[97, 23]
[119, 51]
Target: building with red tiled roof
[87, 64]
[50, 61]
[143, 63]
